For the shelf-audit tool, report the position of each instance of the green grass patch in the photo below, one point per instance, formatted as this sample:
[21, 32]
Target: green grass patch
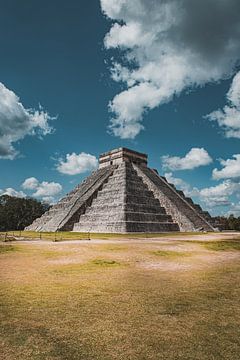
[170, 253]
[217, 245]
[91, 265]
[222, 245]
[111, 247]
[7, 248]
[105, 263]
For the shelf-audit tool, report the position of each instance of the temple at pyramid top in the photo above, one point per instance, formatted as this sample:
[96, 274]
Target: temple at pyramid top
[124, 196]
[117, 156]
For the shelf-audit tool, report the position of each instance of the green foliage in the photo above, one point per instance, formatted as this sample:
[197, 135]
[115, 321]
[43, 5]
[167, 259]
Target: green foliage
[227, 223]
[17, 213]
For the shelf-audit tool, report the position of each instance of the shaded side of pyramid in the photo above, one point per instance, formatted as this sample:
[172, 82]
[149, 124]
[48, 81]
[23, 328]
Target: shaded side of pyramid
[188, 215]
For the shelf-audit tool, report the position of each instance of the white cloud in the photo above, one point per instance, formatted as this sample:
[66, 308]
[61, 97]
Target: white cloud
[231, 168]
[16, 122]
[194, 158]
[46, 191]
[211, 197]
[234, 209]
[181, 185]
[30, 183]
[219, 195]
[165, 51]
[49, 200]
[77, 163]
[13, 192]
[229, 117]
[233, 94]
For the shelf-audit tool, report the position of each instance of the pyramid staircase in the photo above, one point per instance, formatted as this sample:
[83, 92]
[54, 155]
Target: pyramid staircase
[125, 204]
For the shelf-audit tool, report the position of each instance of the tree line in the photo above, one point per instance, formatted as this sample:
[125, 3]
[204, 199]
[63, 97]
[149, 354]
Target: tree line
[17, 213]
[227, 223]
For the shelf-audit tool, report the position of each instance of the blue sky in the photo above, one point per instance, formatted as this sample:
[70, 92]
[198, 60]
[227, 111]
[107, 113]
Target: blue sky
[53, 53]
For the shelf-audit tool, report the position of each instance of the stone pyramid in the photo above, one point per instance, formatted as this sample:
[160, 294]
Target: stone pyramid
[124, 196]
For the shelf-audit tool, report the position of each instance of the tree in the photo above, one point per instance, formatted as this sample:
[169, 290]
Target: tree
[228, 223]
[17, 213]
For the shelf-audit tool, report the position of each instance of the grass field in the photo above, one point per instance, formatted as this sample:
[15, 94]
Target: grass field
[65, 235]
[161, 298]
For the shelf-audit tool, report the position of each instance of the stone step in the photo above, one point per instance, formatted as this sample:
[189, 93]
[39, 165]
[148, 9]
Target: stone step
[151, 227]
[130, 174]
[126, 226]
[189, 200]
[103, 208]
[127, 216]
[141, 200]
[59, 206]
[197, 207]
[109, 193]
[122, 184]
[180, 192]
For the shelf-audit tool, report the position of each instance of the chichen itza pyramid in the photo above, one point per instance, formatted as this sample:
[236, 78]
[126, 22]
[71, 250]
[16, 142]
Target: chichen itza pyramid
[124, 195]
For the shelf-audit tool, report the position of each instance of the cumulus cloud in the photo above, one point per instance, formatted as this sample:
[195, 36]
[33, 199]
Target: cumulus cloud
[16, 122]
[30, 183]
[231, 168]
[234, 209]
[211, 197]
[181, 185]
[77, 163]
[44, 190]
[13, 192]
[47, 189]
[167, 46]
[194, 158]
[219, 195]
[229, 117]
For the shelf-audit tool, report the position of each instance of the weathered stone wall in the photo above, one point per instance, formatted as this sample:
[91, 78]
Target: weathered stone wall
[181, 211]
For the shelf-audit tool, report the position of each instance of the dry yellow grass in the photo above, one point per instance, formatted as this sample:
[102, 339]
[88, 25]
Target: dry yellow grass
[70, 235]
[117, 299]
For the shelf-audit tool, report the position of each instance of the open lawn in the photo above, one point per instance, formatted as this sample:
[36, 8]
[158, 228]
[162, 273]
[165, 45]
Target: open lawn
[172, 297]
